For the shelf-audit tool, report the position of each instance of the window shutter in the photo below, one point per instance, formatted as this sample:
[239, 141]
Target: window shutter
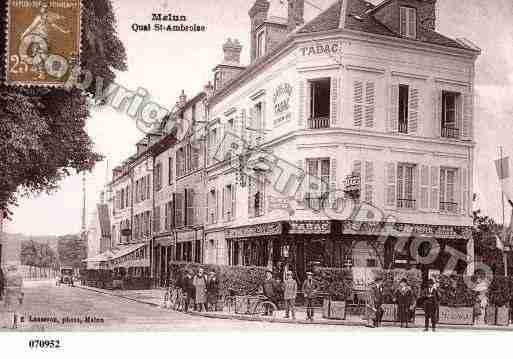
[412, 31]
[243, 125]
[357, 103]
[369, 103]
[435, 188]
[334, 100]
[251, 197]
[252, 127]
[390, 180]
[403, 25]
[465, 196]
[333, 180]
[303, 178]
[369, 182]
[438, 113]
[416, 186]
[467, 115]
[302, 103]
[393, 112]
[263, 125]
[424, 187]
[234, 201]
[357, 167]
[224, 205]
[207, 205]
[413, 109]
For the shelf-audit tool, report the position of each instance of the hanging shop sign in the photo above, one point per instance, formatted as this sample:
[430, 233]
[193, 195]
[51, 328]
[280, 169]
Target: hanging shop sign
[281, 101]
[352, 183]
[310, 227]
[257, 230]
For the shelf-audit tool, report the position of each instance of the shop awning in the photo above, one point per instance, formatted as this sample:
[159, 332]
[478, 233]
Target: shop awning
[128, 257]
[103, 257]
[126, 250]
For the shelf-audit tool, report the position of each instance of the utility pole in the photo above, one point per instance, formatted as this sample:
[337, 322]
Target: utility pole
[504, 231]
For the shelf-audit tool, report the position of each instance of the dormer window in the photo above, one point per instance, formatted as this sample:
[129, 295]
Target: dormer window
[408, 18]
[260, 43]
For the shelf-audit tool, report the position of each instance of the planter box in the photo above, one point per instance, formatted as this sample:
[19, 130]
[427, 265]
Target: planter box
[332, 309]
[502, 316]
[456, 316]
[389, 313]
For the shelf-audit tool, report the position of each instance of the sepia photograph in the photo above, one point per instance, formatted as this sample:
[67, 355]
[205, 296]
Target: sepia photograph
[309, 168]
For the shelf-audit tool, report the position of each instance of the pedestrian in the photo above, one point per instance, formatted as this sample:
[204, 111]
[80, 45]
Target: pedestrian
[374, 305]
[403, 296]
[200, 288]
[309, 289]
[271, 290]
[289, 295]
[431, 302]
[212, 292]
[13, 292]
[189, 291]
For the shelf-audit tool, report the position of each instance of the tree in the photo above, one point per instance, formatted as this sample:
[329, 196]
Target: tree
[42, 131]
[72, 251]
[37, 255]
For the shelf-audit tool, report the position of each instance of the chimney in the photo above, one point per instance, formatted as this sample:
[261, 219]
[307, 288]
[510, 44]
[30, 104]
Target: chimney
[296, 14]
[232, 50]
[257, 15]
[427, 14]
[182, 100]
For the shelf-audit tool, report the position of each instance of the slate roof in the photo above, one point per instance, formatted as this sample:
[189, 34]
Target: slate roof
[358, 18]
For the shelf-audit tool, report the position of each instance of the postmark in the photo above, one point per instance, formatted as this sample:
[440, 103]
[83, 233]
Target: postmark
[43, 41]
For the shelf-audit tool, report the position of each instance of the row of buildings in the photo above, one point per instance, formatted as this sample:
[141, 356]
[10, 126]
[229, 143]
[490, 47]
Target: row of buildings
[343, 137]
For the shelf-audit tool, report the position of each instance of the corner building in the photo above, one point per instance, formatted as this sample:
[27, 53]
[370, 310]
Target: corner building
[365, 106]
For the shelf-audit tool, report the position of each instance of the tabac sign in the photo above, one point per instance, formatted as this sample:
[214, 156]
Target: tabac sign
[43, 41]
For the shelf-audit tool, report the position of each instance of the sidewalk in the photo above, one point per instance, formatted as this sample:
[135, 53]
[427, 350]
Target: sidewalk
[154, 297]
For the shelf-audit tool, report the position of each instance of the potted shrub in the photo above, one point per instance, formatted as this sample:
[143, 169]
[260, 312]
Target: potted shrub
[456, 301]
[499, 296]
[336, 283]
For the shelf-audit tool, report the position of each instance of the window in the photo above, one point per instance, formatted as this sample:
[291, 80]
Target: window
[403, 108]
[180, 162]
[405, 185]
[158, 177]
[212, 144]
[179, 208]
[318, 179]
[170, 170]
[408, 19]
[448, 201]
[190, 214]
[168, 219]
[260, 43]
[195, 156]
[229, 203]
[256, 196]
[156, 219]
[450, 104]
[320, 92]
[212, 206]
[148, 184]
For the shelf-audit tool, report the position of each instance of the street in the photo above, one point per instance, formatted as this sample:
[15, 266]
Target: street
[50, 308]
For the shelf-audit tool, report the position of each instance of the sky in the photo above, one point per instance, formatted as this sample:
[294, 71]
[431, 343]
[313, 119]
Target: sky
[165, 63]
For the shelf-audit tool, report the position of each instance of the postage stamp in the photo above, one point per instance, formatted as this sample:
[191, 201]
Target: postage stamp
[43, 41]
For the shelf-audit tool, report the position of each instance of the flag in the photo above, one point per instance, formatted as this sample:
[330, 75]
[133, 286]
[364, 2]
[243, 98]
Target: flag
[506, 182]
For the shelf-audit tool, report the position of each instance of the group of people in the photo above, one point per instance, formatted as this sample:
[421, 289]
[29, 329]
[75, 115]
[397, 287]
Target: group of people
[273, 290]
[197, 292]
[406, 302]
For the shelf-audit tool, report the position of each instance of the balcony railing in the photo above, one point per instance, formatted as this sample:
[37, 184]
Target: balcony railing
[448, 207]
[403, 127]
[406, 203]
[319, 122]
[449, 132]
[316, 202]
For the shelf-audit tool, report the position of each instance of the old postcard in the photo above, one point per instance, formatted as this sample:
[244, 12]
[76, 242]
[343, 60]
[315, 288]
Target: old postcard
[286, 165]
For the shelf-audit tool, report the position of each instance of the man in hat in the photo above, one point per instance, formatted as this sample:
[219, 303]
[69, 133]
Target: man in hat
[309, 289]
[431, 302]
[270, 288]
[375, 303]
